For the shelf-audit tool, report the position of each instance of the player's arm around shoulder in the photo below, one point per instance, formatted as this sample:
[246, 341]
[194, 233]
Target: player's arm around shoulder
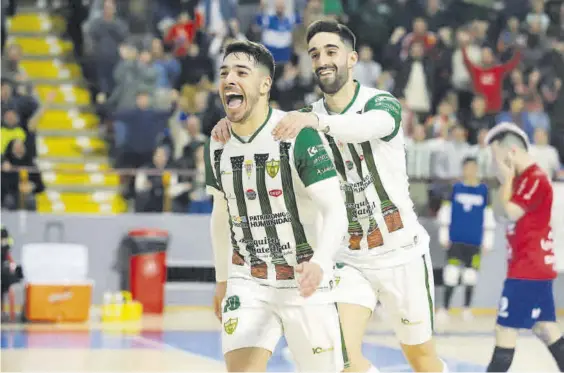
[380, 119]
[317, 172]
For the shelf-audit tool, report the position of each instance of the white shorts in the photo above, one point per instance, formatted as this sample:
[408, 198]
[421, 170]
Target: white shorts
[313, 331]
[406, 293]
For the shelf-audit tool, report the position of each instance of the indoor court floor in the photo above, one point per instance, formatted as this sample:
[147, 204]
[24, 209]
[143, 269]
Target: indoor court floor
[188, 340]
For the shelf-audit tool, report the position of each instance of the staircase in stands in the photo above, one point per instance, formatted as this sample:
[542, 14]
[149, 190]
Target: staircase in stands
[71, 154]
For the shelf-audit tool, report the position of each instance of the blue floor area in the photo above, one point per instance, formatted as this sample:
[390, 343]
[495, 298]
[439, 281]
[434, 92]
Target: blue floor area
[206, 344]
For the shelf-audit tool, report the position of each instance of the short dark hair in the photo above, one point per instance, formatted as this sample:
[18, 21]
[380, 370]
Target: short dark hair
[467, 160]
[257, 52]
[510, 138]
[332, 27]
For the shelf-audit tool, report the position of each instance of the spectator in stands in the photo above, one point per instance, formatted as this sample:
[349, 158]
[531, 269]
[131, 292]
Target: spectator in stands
[277, 31]
[536, 45]
[367, 71]
[443, 121]
[18, 190]
[484, 157]
[421, 35]
[418, 158]
[167, 66]
[508, 38]
[196, 71]
[135, 73]
[288, 90]
[107, 33]
[11, 64]
[414, 81]
[217, 14]
[478, 119]
[11, 129]
[141, 127]
[187, 139]
[544, 154]
[517, 115]
[537, 15]
[150, 191]
[448, 163]
[181, 35]
[488, 78]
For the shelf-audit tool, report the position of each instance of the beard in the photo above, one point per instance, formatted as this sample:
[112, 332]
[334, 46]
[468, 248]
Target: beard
[332, 86]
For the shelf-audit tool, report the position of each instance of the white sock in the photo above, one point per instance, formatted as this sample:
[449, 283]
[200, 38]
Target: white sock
[372, 369]
[445, 366]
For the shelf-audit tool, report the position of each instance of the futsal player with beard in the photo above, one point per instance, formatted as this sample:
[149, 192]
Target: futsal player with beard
[385, 255]
[527, 300]
[278, 217]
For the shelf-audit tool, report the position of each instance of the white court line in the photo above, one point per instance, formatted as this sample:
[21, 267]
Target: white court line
[157, 344]
[394, 368]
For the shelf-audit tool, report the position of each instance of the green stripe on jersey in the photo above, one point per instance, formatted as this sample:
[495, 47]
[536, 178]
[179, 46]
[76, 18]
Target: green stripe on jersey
[282, 269]
[354, 228]
[303, 249]
[389, 210]
[237, 258]
[258, 267]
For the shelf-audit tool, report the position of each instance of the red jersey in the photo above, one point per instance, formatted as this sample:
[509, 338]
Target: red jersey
[530, 238]
[488, 81]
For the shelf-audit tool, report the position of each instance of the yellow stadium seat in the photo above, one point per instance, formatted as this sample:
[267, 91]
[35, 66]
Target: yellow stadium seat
[42, 46]
[70, 146]
[35, 23]
[61, 178]
[50, 69]
[66, 94]
[55, 120]
[75, 203]
[72, 167]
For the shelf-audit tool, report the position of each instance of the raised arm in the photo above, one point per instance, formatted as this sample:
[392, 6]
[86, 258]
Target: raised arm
[317, 172]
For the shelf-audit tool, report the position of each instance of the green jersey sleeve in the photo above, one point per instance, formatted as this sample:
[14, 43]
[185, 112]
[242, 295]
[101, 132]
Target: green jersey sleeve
[210, 176]
[311, 159]
[389, 104]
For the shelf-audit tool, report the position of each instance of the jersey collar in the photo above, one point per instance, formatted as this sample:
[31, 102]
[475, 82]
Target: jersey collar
[356, 91]
[256, 132]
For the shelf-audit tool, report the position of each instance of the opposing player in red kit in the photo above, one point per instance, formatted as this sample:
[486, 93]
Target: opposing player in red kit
[527, 301]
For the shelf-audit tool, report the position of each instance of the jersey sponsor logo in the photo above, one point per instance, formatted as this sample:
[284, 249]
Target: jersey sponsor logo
[238, 221]
[468, 201]
[350, 165]
[267, 220]
[275, 193]
[231, 325]
[406, 321]
[321, 158]
[320, 350]
[324, 170]
[248, 165]
[251, 194]
[535, 313]
[358, 187]
[232, 303]
[269, 245]
[272, 168]
[312, 150]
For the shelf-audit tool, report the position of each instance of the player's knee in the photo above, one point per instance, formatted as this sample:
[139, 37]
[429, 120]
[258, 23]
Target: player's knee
[423, 357]
[247, 360]
[469, 277]
[548, 332]
[501, 359]
[451, 274]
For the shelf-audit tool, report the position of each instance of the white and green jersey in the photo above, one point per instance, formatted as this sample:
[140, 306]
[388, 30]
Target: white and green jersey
[274, 223]
[383, 227]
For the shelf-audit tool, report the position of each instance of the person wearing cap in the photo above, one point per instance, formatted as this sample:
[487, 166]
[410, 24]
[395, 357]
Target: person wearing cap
[527, 300]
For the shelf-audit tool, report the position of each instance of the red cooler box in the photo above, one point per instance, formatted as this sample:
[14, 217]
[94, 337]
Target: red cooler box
[147, 268]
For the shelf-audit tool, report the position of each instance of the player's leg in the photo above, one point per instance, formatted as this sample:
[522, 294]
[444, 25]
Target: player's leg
[407, 295]
[355, 300]
[314, 337]
[469, 277]
[546, 327]
[251, 330]
[451, 278]
[515, 312]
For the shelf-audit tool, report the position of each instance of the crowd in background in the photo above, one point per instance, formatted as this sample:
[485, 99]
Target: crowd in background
[459, 67]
